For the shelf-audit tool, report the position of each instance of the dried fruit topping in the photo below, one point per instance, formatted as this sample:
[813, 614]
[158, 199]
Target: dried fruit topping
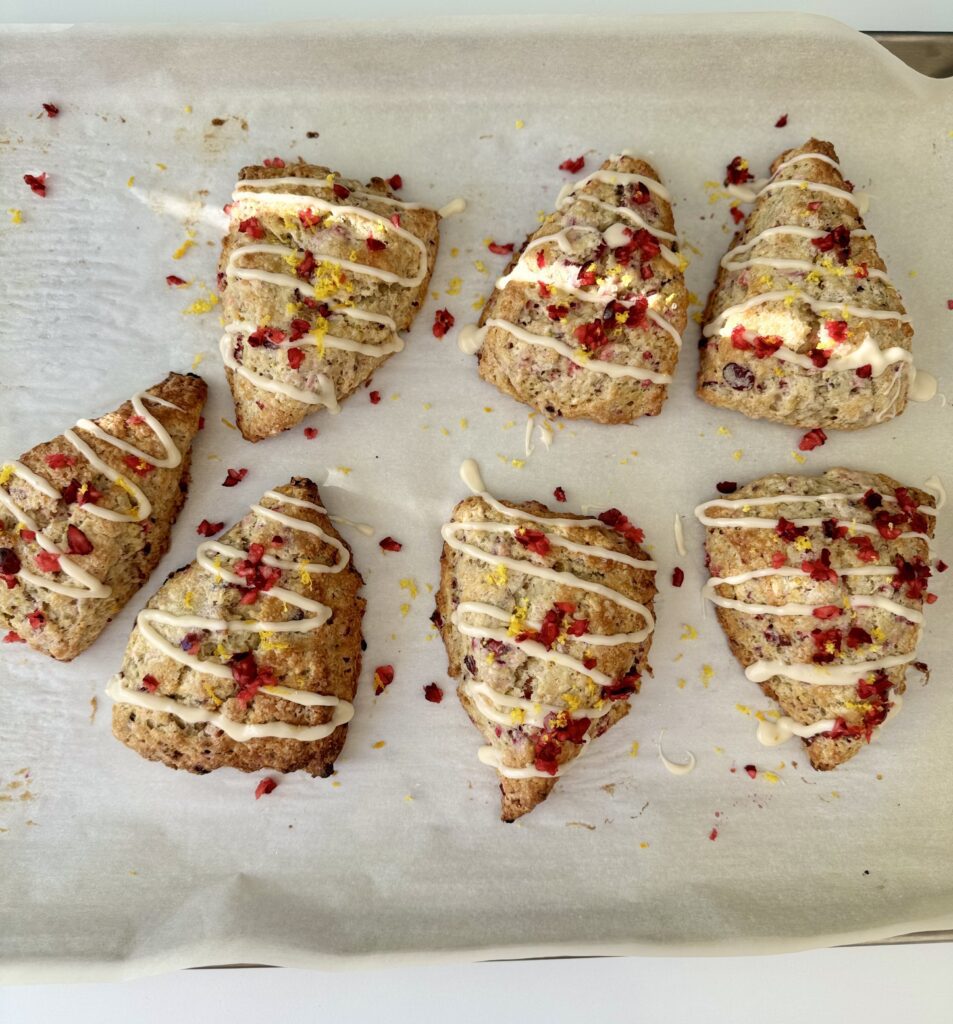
[310, 433]
[911, 576]
[375, 397]
[736, 214]
[383, 677]
[559, 494]
[738, 377]
[837, 241]
[857, 636]
[52, 110]
[37, 619]
[234, 476]
[295, 357]
[267, 337]
[726, 487]
[864, 371]
[833, 530]
[396, 182]
[737, 173]
[13, 638]
[574, 166]
[872, 499]
[433, 693]
[174, 281]
[139, 466]
[82, 494]
[150, 683]
[678, 576]
[389, 544]
[819, 569]
[48, 561]
[37, 183]
[58, 460]
[781, 121]
[826, 611]
[305, 269]
[273, 161]
[786, 530]
[499, 249]
[532, 540]
[308, 218]
[762, 345]
[836, 329]
[207, 529]
[866, 551]
[443, 320]
[9, 566]
[341, 191]
[77, 541]
[615, 520]
[251, 226]
[619, 689]
[751, 770]
[265, 787]
[374, 244]
[778, 558]
[591, 336]
[812, 439]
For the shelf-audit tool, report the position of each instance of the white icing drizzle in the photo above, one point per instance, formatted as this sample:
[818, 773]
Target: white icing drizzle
[89, 585]
[488, 700]
[568, 192]
[783, 229]
[824, 675]
[935, 486]
[493, 758]
[470, 339]
[318, 615]
[470, 474]
[748, 194]
[774, 733]
[675, 767]
[679, 536]
[321, 393]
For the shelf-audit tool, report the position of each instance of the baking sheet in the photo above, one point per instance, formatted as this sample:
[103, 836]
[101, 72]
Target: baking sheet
[113, 866]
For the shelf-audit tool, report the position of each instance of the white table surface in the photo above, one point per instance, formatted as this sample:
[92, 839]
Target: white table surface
[871, 984]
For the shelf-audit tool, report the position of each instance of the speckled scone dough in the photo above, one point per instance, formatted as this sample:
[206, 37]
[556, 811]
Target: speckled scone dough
[243, 697]
[848, 576]
[318, 276]
[531, 673]
[600, 284]
[79, 535]
[803, 326]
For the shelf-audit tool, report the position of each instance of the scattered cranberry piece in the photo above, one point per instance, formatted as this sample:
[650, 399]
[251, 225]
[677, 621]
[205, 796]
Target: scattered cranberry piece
[13, 638]
[864, 371]
[383, 677]
[341, 191]
[812, 439]
[736, 214]
[309, 218]
[207, 529]
[738, 377]
[305, 268]
[139, 466]
[174, 281]
[52, 110]
[499, 249]
[77, 541]
[150, 683]
[310, 433]
[781, 121]
[678, 576]
[375, 397]
[265, 787]
[396, 182]
[374, 244]
[573, 166]
[295, 357]
[713, 835]
[532, 540]
[48, 561]
[559, 494]
[433, 693]
[234, 476]
[37, 619]
[37, 183]
[58, 460]
[389, 544]
[251, 226]
[726, 487]
[273, 161]
[735, 174]
[826, 611]
[751, 770]
[443, 320]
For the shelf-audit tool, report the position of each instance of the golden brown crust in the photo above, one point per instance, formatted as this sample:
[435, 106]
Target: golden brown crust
[124, 553]
[326, 660]
[260, 412]
[510, 670]
[771, 388]
[551, 382]
[808, 639]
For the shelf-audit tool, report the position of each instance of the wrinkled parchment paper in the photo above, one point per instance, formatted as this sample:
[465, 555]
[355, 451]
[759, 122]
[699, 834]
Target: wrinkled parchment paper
[110, 865]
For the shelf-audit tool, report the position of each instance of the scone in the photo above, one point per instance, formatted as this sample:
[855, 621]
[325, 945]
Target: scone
[318, 276]
[547, 620]
[249, 657]
[587, 321]
[803, 325]
[85, 518]
[819, 584]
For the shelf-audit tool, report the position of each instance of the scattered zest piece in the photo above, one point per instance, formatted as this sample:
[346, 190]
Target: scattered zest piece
[443, 320]
[265, 787]
[812, 439]
[383, 677]
[207, 529]
[573, 166]
[37, 183]
[234, 476]
[433, 693]
[389, 544]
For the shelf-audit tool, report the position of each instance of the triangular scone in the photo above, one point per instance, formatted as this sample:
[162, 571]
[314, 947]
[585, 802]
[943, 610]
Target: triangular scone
[803, 326]
[85, 518]
[249, 657]
[819, 584]
[587, 321]
[547, 619]
[318, 275]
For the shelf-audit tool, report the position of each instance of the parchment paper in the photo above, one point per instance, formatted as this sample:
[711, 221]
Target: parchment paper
[110, 865]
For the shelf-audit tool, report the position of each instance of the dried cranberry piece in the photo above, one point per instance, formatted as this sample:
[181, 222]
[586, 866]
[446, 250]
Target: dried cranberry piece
[389, 544]
[812, 439]
[780, 123]
[396, 182]
[443, 320]
[726, 487]
[9, 562]
[77, 541]
[433, 693]
[678, 576]
[559, 494]
[383, 677]
[574, 166]
[738, 377]
[265, 787]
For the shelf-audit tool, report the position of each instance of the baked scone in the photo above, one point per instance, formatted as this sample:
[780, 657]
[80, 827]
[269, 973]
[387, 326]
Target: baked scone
[587, 320]
[318, 276]
[249, 657]
[819, 584]
[85, 518]
[803, 325]
[547, 620]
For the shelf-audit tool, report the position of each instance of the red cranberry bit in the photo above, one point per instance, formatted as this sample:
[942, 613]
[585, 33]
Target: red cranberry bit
[862, 271]
[58, 460]
[837, 240]
[389, 544]
[735, 174]
[37, 619]
[812, 439]
[713, 835]
[433, 693]
[48, 561]
[864, 371]
[836, 329]
[77, 541]
[751, 770]
[374, 244]
[559, 494]
[137, 465]
[37, 183]
[678, 576]
[310, 433]
[738, 377]
[9, 566]
[781, 121]
[541, 263]
[396, 182]
[383, 677]
[309, 218]
[826, 611]
[150, 683]
[273, 161]
[295, 357]
[498, 249]
[443, 320]
[375, 397]
[778, 559]
[13, 638]
[305, 268]
[736, 214]
[207, 529]
[574, 166]
[340, 190]
[591, 336]
[174, 281]
[52, 110]
[866, 551]
[234, 476]
[786, 530]
[532, 540]
[726, 487]
[819, 569]
[265, 787]
[857, 636]
[252, 227]
[941, 566]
